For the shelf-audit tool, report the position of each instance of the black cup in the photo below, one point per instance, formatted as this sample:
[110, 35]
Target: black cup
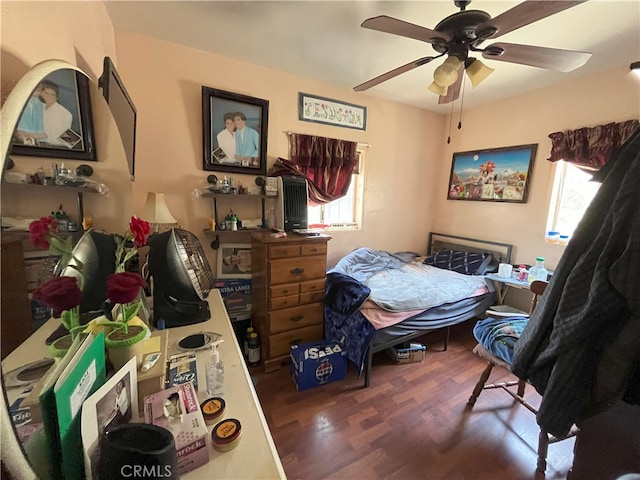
[138, 450]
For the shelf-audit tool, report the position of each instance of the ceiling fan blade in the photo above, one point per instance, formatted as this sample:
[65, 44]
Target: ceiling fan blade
[386, 24]
[525, 13]
[454, 90]
[542, 57]
[393, 73]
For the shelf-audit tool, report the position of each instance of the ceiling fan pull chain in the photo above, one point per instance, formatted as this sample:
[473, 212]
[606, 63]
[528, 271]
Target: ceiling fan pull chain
[450, 120]
[461, 105]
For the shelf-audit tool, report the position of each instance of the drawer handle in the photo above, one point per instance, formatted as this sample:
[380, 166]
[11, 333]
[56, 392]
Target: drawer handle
[295, 341]
[297, 318]
[297, 271]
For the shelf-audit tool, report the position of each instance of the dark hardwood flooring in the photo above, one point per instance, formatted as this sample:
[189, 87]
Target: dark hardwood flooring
[411, 423]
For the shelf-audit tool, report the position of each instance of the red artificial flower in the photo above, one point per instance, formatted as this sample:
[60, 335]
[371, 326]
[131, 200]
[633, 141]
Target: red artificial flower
[124, 287]
[59, 293]
[141, 230]
[38, 230]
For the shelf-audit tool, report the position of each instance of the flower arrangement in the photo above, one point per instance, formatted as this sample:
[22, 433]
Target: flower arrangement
[123, 286]
[61, 294]
[64, 294]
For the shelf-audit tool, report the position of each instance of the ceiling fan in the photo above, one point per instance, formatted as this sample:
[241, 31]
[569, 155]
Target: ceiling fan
[459, 35]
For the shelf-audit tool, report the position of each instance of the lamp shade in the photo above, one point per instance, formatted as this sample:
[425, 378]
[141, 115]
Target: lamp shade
[477, 72]
[447, 73]
[156, 211]
[437, 89]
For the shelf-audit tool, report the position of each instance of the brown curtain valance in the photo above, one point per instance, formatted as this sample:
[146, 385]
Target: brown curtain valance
[327, 164]
[590, 148]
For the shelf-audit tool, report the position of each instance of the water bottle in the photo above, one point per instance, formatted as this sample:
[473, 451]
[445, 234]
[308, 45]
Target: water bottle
[538, 272]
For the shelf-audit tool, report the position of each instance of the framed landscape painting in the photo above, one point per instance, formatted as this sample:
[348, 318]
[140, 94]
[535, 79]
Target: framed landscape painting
[494, 175]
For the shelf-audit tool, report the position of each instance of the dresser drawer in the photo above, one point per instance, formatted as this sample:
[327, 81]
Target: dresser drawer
[290, 270]
[314, 249]
[311, 297]
[280, 344]
[284, 251]
[284, 302]
[295, 317]
[284, 290]
[313, 286]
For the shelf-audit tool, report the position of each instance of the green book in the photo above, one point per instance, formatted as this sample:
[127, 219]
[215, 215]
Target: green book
[61, 403]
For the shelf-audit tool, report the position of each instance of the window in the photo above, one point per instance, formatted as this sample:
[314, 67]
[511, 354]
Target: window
[572, 194]
[346, 212]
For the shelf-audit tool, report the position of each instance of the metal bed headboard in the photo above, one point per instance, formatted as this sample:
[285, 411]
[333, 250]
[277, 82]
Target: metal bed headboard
[438, 241]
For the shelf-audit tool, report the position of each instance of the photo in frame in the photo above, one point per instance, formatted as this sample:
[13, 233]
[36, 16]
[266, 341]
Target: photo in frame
[495, 175]
[57, 121]
[234, 132]
[234, 260]
[312, 108]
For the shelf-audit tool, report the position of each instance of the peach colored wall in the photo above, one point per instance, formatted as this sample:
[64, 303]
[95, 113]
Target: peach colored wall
[610, 96]
[165, 82]
[30, 36]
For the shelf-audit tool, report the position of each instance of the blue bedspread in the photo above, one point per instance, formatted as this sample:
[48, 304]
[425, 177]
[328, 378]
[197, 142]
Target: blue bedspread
[400, 286]
[499, 335]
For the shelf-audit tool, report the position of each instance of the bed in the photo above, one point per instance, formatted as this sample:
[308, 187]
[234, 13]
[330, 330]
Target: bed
[375, 299]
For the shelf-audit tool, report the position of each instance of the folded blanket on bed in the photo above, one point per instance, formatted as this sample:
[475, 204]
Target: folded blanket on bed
[499, 335]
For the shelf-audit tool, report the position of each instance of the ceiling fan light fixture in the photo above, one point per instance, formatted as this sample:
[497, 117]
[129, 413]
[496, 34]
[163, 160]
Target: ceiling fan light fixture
[635, 68]
[477, 72]
[447, 73]
[438, 89]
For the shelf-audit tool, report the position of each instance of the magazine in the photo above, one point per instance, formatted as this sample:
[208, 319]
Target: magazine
[114, 403]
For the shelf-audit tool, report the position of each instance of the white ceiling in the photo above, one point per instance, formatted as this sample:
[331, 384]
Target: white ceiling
[323, 40]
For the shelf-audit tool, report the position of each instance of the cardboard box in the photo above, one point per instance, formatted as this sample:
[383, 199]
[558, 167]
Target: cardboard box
[415, 352]
[236, 295]
[177, 409]
[181, 369]
[317, 363]
[153, 380]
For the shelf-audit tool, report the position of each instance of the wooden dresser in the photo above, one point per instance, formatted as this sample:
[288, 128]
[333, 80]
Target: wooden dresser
[288, 280]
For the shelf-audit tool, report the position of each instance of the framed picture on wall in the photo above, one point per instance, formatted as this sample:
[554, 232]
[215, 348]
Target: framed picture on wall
[234, 132]
[234, 260]
[56, 121]
[494, 175]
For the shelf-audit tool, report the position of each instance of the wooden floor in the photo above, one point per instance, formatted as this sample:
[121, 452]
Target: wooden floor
[411, 423]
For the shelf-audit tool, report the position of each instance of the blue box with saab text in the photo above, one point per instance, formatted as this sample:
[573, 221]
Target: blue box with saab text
[317, 363]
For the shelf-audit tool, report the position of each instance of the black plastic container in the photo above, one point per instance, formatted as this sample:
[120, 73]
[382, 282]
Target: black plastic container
[138, 449]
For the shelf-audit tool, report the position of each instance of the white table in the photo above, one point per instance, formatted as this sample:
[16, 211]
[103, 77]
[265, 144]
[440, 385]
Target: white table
[255, 456]
[502, 285]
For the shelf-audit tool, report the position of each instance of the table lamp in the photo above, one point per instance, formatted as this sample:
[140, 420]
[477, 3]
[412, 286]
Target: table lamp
[157, 213]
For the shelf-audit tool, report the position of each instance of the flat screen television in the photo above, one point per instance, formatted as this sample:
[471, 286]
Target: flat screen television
[122, 109]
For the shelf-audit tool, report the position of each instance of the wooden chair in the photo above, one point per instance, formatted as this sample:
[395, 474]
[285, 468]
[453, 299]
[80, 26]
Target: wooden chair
[544, 438]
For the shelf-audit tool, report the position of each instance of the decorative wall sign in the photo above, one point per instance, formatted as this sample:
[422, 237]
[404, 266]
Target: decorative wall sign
[496, 175]
[312, 108]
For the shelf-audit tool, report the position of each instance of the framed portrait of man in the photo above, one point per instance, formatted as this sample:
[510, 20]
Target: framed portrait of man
[234, 132]
[234, 260]
[56, 121]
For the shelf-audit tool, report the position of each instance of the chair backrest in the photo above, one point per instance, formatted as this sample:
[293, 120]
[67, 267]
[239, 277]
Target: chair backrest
[537, 288]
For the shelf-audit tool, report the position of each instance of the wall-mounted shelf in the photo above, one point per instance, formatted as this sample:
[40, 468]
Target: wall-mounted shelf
[234, 197]
[215, 244]
[80, 190]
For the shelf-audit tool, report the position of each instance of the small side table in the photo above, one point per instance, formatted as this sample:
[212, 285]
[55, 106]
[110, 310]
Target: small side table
[502, 285]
